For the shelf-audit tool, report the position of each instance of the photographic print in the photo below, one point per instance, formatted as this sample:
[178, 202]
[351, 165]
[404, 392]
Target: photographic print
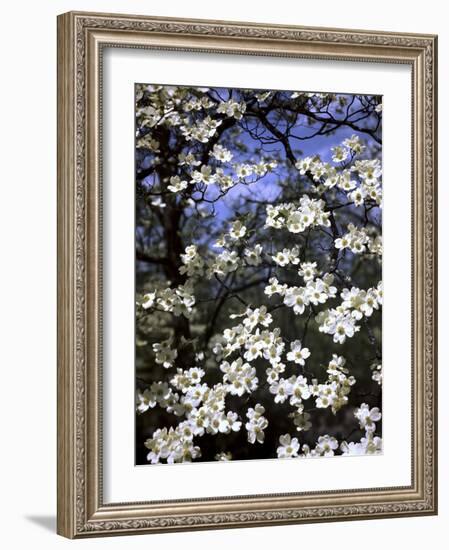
[258, 273]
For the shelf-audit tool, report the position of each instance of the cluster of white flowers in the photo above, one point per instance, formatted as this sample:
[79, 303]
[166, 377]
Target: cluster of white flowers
[232, 108]
[369, 170]
[235, 353]
[338, 323]
[159, 393]
[205, 409]
[286, 256]
[261, 343]
[257, 316]
[315, 292]
[179, 300]
[221, 154]
[361, 302]
[340, 154]
[375, 245]
[297, 218]
[325, 446]
[240, 377]
[202, 130]
[295, 389]
[148, 142]
[356, 239]
[172, 445]
[224, 263]
[370, 444]
[316, 168]
[368, 173]
[183, 380]
[256, 424]
[148, 117]
[245, 170]
[224, 423]
[223, 180]
[377, 374]
[334, 393]
[188, 159]
[354, 144]
[367, 417]
[197, 104]
[165, 354]
[203, 406]
[203, 175]
[253, 256]
[177, 185]
[274, 287]
[264, 344]
[193, 262]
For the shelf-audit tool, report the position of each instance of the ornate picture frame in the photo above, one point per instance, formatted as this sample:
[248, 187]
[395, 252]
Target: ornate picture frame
[82, 37]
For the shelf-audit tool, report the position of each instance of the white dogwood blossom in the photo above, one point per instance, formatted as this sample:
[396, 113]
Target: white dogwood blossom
[165, 355]
[203, 175]
[367, 417]
[221, 153]
[232, 109]
[298, 354]
[238, 230]
[288, 447]
[307, 270]
[326, 445]
[145, 400]
[171, 445]
[253, 256]
[297, 218]
[274, 287]
[256, 424]
[177, 185]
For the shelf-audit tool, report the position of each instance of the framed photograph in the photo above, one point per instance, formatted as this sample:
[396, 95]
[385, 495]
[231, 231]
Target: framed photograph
[246, 274]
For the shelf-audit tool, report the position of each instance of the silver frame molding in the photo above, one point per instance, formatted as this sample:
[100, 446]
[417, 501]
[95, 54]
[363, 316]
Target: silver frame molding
[81, 38]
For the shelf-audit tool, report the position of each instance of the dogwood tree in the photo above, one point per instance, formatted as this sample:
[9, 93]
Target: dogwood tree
[258, 274]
